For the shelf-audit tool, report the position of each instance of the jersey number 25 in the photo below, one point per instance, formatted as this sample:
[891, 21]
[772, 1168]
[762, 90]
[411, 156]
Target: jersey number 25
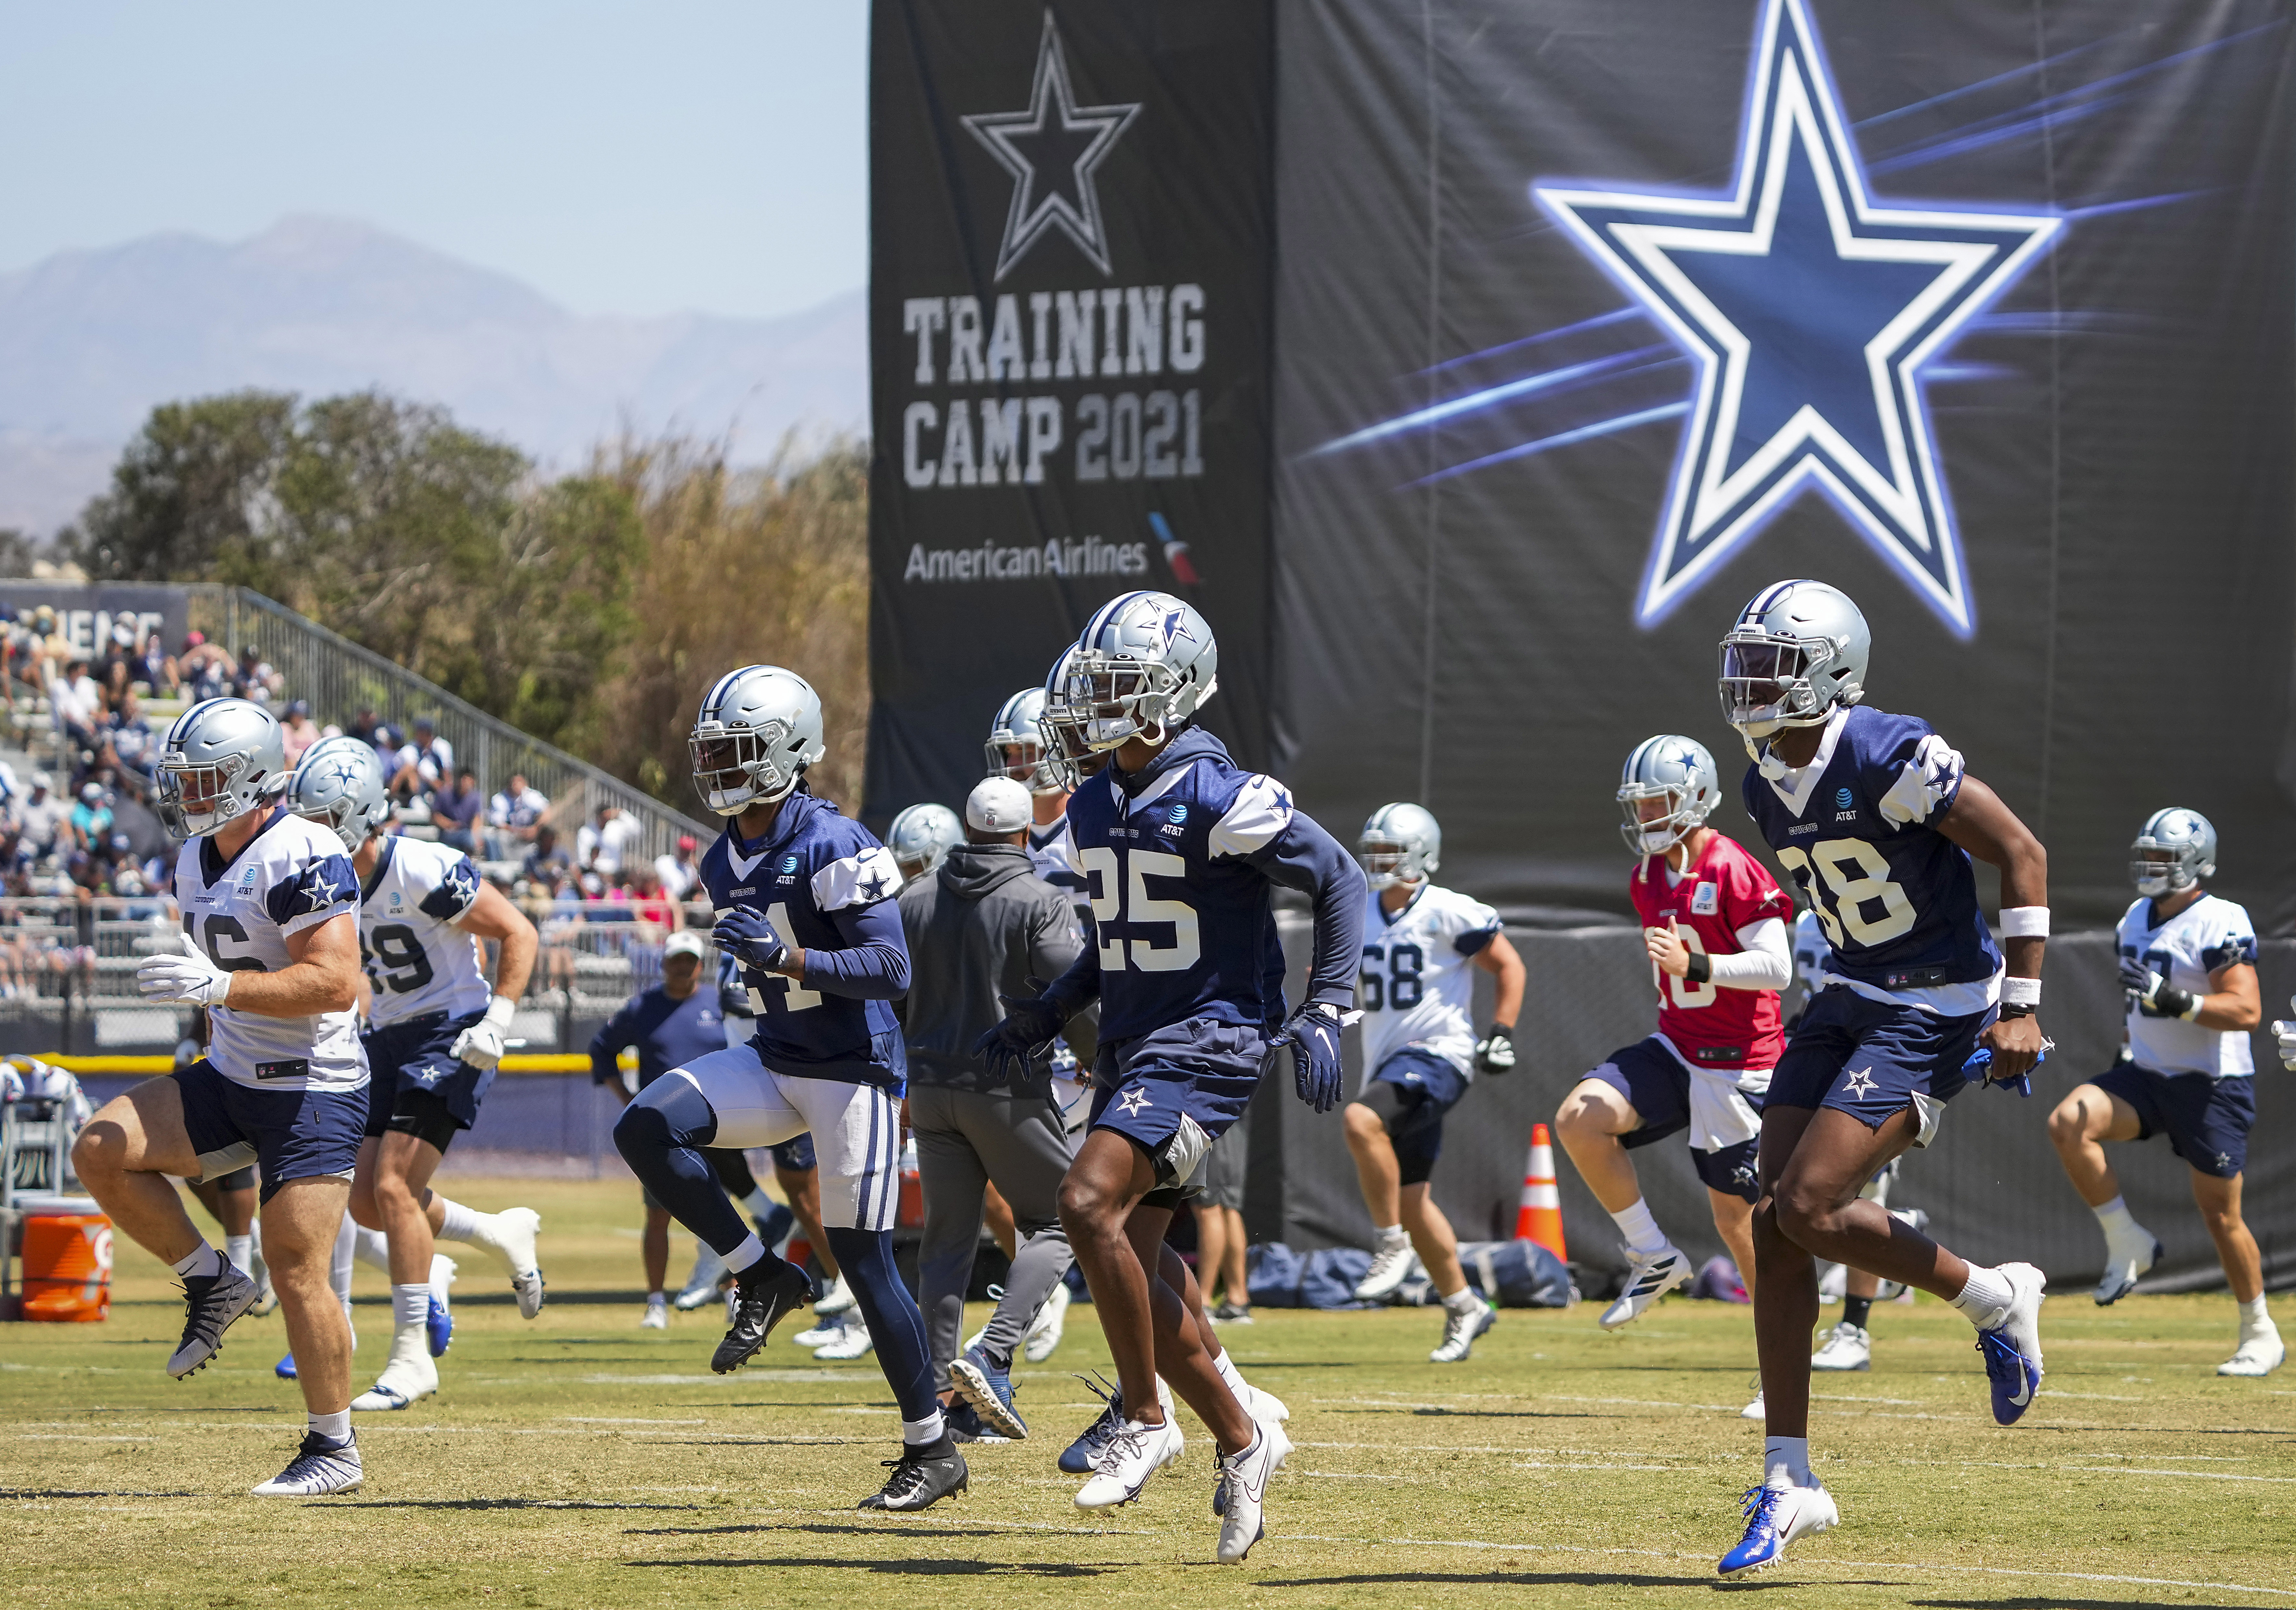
[1119, 898]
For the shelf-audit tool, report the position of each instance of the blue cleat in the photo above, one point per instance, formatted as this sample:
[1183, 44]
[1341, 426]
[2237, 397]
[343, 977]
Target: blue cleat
[981, 1383]
[2012, 1344]
[285, 1369]
[439, 1327]
[1083, 1455]
[1776, 1516]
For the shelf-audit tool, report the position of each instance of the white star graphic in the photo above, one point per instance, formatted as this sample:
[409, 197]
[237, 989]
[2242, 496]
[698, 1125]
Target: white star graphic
[1052, 150]
[1134, 1100]
[1809, 338]
[1861, 1083]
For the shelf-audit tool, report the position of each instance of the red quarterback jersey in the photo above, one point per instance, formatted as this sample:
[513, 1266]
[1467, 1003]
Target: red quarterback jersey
[1723, 890]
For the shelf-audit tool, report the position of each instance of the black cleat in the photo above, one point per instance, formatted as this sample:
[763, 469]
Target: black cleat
[210, 1303]
[921, 1479]
[760, 1305]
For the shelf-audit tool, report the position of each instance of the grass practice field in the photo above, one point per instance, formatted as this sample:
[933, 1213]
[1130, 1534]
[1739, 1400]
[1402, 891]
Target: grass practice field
[580, 1461]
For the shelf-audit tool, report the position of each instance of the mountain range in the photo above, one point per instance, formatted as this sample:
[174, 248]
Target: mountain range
[90, 341]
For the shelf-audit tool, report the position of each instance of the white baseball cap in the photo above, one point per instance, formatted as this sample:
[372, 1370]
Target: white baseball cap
[685, 942]
[998, 805]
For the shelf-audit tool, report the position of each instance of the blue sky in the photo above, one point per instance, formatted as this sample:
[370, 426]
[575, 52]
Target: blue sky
[631, 158]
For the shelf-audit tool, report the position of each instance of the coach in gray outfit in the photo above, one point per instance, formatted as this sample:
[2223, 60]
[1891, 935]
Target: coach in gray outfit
[981, 927]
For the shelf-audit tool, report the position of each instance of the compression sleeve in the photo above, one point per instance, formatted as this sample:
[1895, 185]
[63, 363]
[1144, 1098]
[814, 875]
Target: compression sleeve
[1303, 856]
[1764, 963]
[872, 964]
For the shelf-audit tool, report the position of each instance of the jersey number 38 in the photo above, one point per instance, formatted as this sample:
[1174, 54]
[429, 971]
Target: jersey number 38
[1832, 860]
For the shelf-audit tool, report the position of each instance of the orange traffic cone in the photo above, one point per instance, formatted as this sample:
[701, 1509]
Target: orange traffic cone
[1539, 1218]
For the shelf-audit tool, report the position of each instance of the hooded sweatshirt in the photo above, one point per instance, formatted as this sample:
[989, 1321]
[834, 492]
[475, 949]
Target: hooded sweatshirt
[981, 927]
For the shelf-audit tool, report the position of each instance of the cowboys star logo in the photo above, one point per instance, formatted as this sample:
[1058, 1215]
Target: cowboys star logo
[1810, 310]
[1861, 1083]
[1052, 150]
[321, 890]
[1134, 1100]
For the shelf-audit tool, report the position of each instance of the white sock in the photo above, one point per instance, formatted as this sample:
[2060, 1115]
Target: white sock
[204, 1264]
[2119, 1223]
[335, 1427]
[410, 1306]
[240, 1251]
[1389, 1234]
[442, 1276]
[338, 1264]
[921, 1434]
[1228, 1372]
[372, 1248]
[460, 1223]
[657, 1299]
[750, 1251]
[1786, 1462]
[2255, 1319]
[1465, 1300]
[759, 1204]
[1984, 1299]
[1640, 1228]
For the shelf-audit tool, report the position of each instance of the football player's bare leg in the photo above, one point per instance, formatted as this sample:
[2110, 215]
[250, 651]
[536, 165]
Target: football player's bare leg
[653, 1249]
[1377, 1172]
[125, 1156]
[401, 1189]
[2080, 1127]
[2220, 1205]
[1589, 1122]
[1101, 1187]
[802, 1187]
[1433, 1239]
[299, 1225]
[1184, 1341]
[1734, 1217]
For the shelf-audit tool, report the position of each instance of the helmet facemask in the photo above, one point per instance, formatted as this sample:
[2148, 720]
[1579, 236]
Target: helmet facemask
[1388, 862]
[738, 765]
[1770, 682]
[1022, 758]
[2158, 868]
[192, 801]
[1656, 835]
[1103, 701]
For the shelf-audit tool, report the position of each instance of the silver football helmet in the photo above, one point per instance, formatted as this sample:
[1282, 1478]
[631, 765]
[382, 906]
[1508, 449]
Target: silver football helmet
[1144, 664]
[1399, 844]
[920, 836]
[1798, 649]
[758, 729]
[1677, 769]
[340, 786]
[1019, 726]
[222, 758]
[2188, 842]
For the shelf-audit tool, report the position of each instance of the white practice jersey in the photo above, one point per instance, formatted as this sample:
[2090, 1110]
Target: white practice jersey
[1810, 951]
[416, 958]
[292, 875]
[1417, 989]
[2205, 935]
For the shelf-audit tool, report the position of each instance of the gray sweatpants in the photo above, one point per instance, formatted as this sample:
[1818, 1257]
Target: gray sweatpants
[966, 1139]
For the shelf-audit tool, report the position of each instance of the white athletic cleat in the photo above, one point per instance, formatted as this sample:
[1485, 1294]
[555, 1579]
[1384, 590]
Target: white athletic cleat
[515, 1229]
[1258, 1402]
[1649, 1277]
[1756, 1410]
[1461, 1327]
[318, 1467]
[1391, 1263]
[210, 1304]
[820, 1335]
[835, 1298]
[2258, 1355]
[1134, 1454]
[657, 1315]
[701, 1285]
[1045, 1334]
[409, 1375]
[2124, 1266]
[851, 1342]
[2012, 1344]
[1243, 1480]
[1846, 1347]
[1776, 1516]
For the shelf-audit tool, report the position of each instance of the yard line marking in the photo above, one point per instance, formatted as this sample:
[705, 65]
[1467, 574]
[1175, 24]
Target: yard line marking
[2198, 1475]
[589, 1419]
[847, 1515]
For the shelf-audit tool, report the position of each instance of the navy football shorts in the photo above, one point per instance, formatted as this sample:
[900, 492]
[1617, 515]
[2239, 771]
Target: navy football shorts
[1173, 1092]
[797, 1155]
[2207, 1120]
[1657, 1086]
[1874, 1059]
[418, 1088]
[1411, 1092]
[289, 1134]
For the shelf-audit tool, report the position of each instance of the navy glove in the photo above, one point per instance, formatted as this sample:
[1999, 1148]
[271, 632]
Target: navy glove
[1313, 1033]
[1030, 1024]
[745, 935]
[2155, 996]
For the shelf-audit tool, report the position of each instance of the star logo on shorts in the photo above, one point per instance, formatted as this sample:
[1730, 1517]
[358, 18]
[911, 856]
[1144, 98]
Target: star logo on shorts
[1134, 1100]
[1741, 1175]
[2224, 1159]
[1861, 1083]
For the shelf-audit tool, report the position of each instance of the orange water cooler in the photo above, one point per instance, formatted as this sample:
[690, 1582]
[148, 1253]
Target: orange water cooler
[67, 1263]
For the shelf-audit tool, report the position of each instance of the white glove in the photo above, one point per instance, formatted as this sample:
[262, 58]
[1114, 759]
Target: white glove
[187, 978]
[481, 1045]
[2286, 1033]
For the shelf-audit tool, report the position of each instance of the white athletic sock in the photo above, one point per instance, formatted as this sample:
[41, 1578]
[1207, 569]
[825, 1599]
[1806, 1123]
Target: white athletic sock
[442, 1276]
[203, 1264]
[922, 1434]
[1986, 1297]
[1786, 1462]
[462, 1223]
[2256, 1319]
[372, 1248]
[1465, 1300]
[240, 1251]
[335, 1427]
[750, 1251]
[339, 1264]
[1640, 1228]
[1228, 1372]
[657, 1299]
[410, 1306]
[1389, 1234]
[759, 1204]
[2119, 1223]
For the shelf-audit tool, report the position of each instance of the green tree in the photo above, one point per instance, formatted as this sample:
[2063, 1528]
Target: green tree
[189, 490]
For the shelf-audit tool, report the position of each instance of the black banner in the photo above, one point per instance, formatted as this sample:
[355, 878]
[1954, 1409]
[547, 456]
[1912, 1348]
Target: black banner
[1069, 333]
[1597, 318]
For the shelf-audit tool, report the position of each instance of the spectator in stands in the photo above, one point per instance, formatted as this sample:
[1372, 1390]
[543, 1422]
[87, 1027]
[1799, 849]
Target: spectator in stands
[91, 818]
[603, 848]
[515, 814]
[547, 861]
[40, 819]
[76, 703]
[426, 763]
[130, 746]
[454, 808]
[651, 906]
[363, 725]
[681, 871]
[156, 668]
[206, 667]
[50, 646]
[115, 659]
[298, 732]
[254, 678]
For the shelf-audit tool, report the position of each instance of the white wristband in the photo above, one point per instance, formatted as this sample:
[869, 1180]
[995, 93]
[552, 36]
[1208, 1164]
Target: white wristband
[2021, 991]
[500, 1010]
[2024, 922]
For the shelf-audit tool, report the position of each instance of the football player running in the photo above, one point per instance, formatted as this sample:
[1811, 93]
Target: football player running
[804, 904]
[270, 948]
[1877, 820]
[1714, 924]
[1183, 849]
[434, 1037]
[1422, 944]
[2188, 970]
